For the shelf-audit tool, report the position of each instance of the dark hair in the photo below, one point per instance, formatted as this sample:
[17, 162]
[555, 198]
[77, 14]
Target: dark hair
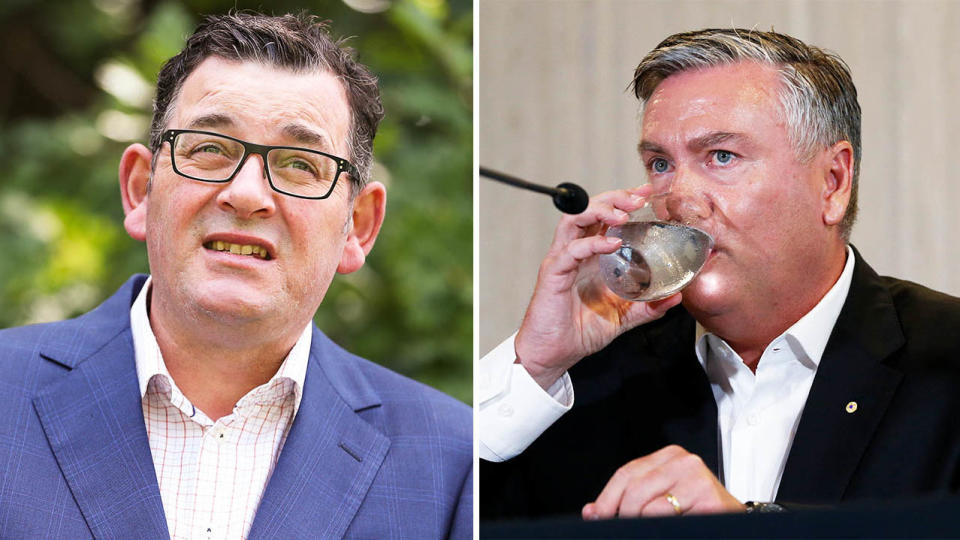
[818, 96]
[297, 42]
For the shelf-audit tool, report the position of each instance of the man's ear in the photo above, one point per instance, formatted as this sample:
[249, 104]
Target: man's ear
[134, 186]
[369, 207]
[838, 181]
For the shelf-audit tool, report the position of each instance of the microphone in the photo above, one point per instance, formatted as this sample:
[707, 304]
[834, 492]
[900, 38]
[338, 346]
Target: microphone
[568, 198]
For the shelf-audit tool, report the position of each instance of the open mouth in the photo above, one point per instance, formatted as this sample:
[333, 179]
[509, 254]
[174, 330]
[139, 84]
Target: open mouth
[239, 249]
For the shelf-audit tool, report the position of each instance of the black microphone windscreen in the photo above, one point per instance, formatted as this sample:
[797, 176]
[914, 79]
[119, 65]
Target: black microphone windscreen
[571, 198]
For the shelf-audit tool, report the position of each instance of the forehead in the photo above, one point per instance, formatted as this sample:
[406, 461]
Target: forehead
[258, 101]
[740, 97]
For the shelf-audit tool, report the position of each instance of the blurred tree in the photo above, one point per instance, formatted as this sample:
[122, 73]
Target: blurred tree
[77, 89]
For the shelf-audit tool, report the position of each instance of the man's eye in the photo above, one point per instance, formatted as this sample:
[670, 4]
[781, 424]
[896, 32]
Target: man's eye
[300, 165]
[659, 165]
[723, 156]
[208, 148]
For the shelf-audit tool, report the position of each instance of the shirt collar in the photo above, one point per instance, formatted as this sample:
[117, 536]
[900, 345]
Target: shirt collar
[149, 360]
[812, 331]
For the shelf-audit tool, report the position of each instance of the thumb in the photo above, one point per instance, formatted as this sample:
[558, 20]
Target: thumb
[644, 312]
[661, 306]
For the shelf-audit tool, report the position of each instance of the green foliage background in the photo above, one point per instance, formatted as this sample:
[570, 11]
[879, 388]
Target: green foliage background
[75, 91]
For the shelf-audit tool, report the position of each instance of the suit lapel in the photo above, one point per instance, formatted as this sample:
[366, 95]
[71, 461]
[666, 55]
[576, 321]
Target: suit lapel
[93, 420]
[689, 408]
[330, 457]
[833, 433]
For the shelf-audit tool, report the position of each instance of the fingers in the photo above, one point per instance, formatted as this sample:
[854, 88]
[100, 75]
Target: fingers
[610, 208]
[632, 480]
[658, 506]
[569, 259]
[663, 506]
[577, 236]
[589, 511]
[648, 496]
[642, 487]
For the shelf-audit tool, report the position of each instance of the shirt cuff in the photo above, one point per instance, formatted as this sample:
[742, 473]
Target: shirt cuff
[513, 409]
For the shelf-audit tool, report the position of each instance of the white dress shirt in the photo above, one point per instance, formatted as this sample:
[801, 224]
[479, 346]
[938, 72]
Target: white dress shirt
[212, 475]
[757, 413]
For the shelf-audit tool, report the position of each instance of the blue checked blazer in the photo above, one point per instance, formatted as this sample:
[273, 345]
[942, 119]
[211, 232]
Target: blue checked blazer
[370, 454]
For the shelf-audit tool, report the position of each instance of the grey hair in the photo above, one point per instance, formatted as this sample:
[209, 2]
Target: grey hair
[818, 96]
[300, 43]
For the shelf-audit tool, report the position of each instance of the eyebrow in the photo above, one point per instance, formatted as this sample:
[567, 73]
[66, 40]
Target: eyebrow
[211, 121]
[306, 136]
[696, 144]
[647, 146]
[300, 133]
[711, 139]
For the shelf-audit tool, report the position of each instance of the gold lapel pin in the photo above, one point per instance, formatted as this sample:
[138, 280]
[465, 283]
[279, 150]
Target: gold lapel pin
[852, 407]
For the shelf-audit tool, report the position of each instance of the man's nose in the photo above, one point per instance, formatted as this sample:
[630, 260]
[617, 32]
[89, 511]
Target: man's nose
[249, 194]
[688, 201]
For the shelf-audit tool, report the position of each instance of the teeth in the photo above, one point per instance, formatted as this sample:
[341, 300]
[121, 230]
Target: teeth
[238, 249]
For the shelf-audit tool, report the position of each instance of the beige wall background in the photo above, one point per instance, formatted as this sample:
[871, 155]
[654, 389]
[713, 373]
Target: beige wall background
[553, 107]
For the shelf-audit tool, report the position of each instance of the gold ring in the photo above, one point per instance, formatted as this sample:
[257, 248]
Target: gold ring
[675, 503]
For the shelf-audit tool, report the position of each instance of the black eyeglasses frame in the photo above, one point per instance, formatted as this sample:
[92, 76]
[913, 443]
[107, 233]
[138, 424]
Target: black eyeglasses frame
[260, 149]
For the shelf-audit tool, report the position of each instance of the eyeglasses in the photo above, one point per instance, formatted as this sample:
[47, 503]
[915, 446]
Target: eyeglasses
[293, 171]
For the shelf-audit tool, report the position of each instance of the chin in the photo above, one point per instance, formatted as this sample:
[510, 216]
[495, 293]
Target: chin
[233, 306]
[706, 294]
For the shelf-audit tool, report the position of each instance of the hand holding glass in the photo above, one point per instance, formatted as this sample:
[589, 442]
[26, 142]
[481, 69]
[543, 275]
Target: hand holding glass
[657, 258]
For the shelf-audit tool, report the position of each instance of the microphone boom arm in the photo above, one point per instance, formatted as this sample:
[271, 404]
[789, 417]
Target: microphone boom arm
[568, 198]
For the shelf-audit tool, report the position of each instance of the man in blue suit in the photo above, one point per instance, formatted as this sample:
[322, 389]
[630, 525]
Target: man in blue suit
[201, 402]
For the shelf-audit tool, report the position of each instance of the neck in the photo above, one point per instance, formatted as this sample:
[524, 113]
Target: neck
[215, 366]
[750, 331]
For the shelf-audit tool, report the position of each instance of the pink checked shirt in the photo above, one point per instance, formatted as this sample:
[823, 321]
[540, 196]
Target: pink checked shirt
[212, 474]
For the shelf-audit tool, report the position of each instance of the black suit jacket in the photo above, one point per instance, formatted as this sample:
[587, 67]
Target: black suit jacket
[893, 351]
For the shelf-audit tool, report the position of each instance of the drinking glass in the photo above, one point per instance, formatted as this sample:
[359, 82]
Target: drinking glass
[657, 258]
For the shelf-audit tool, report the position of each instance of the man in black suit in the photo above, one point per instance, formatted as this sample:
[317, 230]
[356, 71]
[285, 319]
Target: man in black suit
[791, 373]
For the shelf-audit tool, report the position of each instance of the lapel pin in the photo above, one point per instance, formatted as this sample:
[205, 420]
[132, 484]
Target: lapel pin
[852, 407]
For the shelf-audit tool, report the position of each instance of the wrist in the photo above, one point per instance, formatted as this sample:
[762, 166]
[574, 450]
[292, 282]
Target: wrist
[544, 371]
[544, 377]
